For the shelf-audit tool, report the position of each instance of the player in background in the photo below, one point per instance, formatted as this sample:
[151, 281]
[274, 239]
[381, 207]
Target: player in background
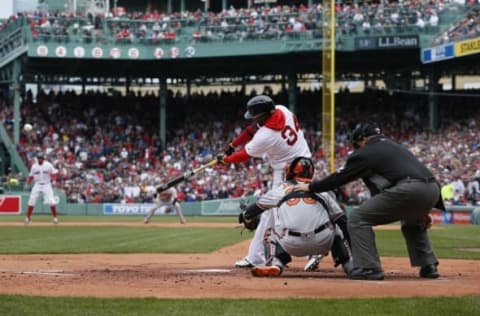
[276, 135]
[305, 223]
[166, 201]
[42, 173]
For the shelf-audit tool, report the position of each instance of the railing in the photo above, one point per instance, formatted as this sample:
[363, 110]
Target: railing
[12, 45]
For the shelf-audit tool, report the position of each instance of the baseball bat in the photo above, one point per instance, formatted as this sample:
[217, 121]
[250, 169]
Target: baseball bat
[185, 176]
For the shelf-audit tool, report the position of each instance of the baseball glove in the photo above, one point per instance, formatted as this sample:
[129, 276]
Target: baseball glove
[249, 223]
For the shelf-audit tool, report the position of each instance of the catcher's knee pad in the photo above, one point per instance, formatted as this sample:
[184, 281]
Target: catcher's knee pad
[340, 250]
[274, 250]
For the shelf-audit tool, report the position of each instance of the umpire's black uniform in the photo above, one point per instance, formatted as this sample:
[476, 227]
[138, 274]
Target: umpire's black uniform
[402, 188]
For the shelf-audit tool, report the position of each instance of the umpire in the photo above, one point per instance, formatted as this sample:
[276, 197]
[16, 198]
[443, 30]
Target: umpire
[402, 189]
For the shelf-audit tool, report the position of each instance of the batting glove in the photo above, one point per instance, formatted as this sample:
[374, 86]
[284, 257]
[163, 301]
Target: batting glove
[229, 150]
[220, 159]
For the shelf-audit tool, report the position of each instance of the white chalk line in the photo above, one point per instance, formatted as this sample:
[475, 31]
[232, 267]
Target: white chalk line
[207, 271]
[47, 272]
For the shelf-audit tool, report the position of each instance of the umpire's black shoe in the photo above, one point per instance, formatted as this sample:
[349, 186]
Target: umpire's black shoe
[429, 271]
[366, 274]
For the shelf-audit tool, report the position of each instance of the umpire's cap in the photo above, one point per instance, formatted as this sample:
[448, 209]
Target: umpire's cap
[261, 104]
[363, 130]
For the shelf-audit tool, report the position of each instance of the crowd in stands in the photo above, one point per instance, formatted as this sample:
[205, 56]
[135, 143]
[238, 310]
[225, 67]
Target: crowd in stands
[106, 148]
[106, 145]
[467, 27]
[239, 24]
[392, 17]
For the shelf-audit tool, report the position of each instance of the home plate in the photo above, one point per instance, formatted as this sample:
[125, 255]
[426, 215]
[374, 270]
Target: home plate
[209, 270]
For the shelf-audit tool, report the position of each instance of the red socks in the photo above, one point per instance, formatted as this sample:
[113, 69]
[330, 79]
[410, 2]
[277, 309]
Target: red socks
[29, 211]
[53, 208]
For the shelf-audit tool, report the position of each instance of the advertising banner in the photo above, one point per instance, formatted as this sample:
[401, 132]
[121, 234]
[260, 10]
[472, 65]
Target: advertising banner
[438, 53]
[387, 42]
[224, 206]
[451, 217]
[10, 204]
[467, 47]
[130, 209]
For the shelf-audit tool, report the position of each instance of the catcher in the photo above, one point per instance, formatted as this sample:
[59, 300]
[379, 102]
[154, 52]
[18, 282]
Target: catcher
[165, 200]
[305, 224]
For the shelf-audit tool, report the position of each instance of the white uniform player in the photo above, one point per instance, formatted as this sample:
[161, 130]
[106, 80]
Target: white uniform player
[305, 224]
[42, 173]
[280, 139]
[166, 201]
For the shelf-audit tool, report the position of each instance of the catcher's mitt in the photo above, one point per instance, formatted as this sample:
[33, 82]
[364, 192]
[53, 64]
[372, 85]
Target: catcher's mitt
[249, 223]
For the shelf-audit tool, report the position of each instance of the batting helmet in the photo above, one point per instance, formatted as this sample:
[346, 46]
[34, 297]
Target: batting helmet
[363, 130]
[261, 104]
[301, 168]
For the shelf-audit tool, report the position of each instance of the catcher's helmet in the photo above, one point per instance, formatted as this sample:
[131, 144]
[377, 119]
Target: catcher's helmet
[363, 130]
[301, 168]
[261, 104]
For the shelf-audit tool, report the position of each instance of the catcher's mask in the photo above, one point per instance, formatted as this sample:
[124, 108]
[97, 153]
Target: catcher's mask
[363, 130]
[259, 106]
[301, 168]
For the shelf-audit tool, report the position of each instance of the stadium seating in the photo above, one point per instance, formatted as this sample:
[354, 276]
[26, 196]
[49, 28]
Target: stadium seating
[105, 152]
[256, 23]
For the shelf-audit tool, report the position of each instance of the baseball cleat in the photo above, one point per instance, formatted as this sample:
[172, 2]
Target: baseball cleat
[146, 221]
[312, 263]
[266, 271]
[27, 221]
[244, 263]
[375, 274]
[55, 220]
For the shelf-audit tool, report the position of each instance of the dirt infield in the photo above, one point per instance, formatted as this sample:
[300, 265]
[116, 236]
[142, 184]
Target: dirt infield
[213, 276]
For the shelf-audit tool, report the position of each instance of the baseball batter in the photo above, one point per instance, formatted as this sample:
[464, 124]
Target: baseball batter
[278, 137]
[166, 201]
[42, 173]
[304, 224]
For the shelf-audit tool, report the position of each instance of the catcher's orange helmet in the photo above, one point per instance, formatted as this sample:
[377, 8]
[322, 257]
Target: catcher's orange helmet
[301, 168]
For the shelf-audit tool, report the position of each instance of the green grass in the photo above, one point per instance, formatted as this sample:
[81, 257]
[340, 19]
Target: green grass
[449, 241]
[115, 239]
[42, 306]
[44, 218]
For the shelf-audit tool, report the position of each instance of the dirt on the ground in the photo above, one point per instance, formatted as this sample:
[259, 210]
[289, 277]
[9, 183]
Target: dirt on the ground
[213, 275]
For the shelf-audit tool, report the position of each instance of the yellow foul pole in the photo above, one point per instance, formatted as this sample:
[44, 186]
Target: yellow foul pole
[328, 82]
